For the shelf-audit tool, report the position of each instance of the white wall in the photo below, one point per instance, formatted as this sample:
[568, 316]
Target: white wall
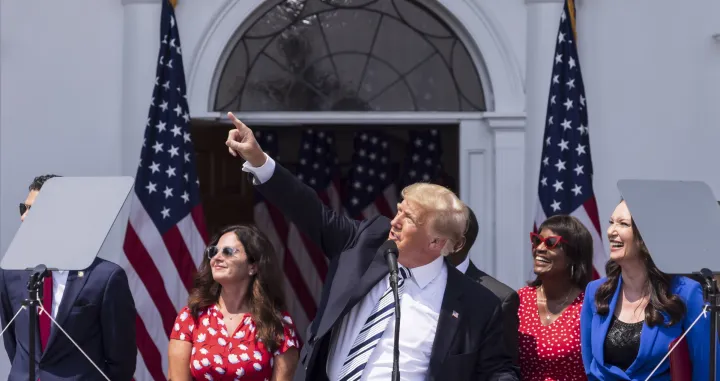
[60, 98]
[652, 77]
[651, 69]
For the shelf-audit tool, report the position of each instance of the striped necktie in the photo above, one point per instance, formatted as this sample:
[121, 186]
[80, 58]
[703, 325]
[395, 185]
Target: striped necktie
[372, 331]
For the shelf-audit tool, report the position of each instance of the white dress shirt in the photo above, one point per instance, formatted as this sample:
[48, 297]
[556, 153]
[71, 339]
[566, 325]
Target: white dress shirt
[59, 279]
[463, 266]
[419, 312]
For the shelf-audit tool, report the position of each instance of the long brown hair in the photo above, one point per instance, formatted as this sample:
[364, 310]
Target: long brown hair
[658, 286]
[265, 296]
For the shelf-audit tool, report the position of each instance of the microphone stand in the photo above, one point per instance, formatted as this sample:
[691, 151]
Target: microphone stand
[713, 297]
[396, 346]
[35, 291]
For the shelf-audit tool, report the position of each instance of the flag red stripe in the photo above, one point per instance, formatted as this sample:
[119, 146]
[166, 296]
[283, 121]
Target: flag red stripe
[324, 198]
[278, 220]
[292, 272]
[148, 350]
[316, 256]
[591, 209]
[140, 260]
[198, 217]
[383, 206]
[180, 256]
[314, 252]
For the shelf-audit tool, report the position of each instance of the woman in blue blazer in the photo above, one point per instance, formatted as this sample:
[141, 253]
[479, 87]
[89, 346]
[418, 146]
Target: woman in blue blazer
[630, 318]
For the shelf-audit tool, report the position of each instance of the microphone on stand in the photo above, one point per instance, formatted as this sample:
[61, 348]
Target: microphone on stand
[390, 250]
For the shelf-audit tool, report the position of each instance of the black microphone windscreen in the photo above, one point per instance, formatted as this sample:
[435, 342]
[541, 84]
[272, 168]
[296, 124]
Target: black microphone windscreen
[389, 245]
[390, 251]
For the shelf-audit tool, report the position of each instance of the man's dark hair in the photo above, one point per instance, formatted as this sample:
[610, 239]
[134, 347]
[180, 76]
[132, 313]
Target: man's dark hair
[39, 181]
[472, 231]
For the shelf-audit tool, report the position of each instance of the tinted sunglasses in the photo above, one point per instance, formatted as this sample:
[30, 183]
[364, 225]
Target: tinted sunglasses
[226, 251]
[24, 208]
[550, 242]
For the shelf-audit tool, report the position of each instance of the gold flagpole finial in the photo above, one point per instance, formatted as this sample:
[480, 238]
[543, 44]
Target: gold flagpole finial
[173, 3]
[571, 10]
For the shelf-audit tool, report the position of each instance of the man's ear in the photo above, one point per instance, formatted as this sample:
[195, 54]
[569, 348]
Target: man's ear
[438, 243]
[459, 245]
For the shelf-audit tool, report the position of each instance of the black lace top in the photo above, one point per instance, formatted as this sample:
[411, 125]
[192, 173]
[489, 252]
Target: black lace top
[622, 343]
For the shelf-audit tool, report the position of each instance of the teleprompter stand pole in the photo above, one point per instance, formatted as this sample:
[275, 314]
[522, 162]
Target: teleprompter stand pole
[711, 289]
[35, 295]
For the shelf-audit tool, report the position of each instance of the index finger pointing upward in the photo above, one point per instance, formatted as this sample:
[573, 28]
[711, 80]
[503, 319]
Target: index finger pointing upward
[239, 124]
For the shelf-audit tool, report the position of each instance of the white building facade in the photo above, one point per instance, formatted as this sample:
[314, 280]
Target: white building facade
[77, 78]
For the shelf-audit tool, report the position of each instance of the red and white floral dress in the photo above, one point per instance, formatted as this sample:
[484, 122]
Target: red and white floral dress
[552, 352]
[219, 355]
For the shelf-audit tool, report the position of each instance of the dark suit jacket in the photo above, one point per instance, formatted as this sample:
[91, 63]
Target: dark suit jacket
[97, 310]
[510, 304]
[468, 345]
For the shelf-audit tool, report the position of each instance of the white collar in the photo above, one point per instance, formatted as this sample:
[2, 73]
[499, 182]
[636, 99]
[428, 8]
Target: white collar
[425, 274]
[464, 265]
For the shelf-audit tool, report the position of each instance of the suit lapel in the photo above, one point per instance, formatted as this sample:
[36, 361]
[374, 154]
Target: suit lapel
[451, 311]
[353, 293]
[472, 271]
[73, 286]
[603, 325]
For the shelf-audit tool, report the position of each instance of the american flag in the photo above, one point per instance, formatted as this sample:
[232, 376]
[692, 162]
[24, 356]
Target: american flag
[565, 182]
[166, 234]
[304, 264]
[423, 159]
[371, 188]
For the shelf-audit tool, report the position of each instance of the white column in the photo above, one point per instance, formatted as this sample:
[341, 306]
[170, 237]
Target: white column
[141, 41]
[477, 188]
[543, 18]
[508, 131]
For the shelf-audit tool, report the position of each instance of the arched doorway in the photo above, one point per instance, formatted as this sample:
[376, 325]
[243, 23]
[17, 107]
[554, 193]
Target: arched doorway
[351, 67]
[362, 55]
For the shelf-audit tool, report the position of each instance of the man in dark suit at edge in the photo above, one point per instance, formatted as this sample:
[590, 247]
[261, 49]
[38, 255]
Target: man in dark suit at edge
[95, 307]
[445, 334]
[508, 296]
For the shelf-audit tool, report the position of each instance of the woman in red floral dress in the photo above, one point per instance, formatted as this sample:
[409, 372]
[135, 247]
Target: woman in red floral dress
[234, 326]
[549, 313]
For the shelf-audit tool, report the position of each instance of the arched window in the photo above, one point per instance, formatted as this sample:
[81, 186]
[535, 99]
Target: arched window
[348, 55]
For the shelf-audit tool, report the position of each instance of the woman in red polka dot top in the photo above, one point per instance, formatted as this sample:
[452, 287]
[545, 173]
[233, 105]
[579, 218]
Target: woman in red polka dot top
[549, 313]
[234, 326]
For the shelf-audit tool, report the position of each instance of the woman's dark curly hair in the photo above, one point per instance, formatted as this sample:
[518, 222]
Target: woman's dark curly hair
[265, 296]
[657, 286]
[578, 249]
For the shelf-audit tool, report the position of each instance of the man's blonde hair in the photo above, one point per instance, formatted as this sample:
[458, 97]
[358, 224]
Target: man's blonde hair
[442, 211]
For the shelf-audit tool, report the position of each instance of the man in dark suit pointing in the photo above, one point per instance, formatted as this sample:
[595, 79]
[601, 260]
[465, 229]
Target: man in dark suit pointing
[508, 296]
[445, 334]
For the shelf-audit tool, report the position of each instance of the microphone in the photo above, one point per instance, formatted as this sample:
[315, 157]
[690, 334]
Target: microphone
[390, 251]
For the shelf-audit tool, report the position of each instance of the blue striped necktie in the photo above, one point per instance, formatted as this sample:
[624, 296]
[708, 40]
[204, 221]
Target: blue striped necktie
[372, 331]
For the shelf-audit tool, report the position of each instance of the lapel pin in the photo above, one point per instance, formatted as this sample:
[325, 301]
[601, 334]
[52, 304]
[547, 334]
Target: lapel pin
[455, 314]
[80, 274]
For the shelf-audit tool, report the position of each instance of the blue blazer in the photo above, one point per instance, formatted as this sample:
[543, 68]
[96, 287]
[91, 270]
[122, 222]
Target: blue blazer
[97, 310]
[654, 341]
